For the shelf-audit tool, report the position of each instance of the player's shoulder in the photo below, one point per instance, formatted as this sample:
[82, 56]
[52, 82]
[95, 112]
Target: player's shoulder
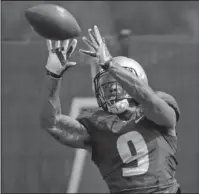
[171, 101]
[91, 118]
[89, 113]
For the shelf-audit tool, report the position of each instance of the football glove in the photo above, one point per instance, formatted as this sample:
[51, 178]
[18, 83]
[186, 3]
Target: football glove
[98, 45]
[59, 56]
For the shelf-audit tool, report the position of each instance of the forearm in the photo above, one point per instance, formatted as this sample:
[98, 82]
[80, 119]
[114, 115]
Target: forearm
[155, 109]
[52, 106]
[130, 83]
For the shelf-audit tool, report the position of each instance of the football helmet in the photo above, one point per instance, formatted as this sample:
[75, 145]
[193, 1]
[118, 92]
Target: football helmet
[109, 93]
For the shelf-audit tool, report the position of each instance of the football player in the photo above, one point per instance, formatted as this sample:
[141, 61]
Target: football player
[132, 135]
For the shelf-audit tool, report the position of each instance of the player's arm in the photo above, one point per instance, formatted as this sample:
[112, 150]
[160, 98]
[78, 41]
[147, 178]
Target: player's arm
[155, 108]
[63, 128]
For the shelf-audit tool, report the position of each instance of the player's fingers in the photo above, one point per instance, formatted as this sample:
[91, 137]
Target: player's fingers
[67, 66]
[72, 47]
[58, 44]
[53, 42]
[97, 34]
[64, 45]
[103, 40]
[93, 37]
[49, 45]
[71, 63]
[89, 43]
[90, 53]
[60, 56]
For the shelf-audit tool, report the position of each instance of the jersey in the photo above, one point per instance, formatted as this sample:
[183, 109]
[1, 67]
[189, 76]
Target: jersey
[135, 156]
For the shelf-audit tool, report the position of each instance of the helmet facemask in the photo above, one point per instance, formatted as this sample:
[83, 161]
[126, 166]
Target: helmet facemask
[110, 94]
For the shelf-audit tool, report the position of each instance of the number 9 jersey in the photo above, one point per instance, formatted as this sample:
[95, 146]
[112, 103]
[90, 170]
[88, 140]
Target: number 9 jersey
[134, 156]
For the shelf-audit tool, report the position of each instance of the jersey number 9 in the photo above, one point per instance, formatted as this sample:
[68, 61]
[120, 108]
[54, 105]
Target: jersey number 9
[126, 155]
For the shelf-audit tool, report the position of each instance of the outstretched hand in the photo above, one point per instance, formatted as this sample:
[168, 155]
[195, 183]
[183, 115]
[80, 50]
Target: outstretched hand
[59, 56]
[96, 43]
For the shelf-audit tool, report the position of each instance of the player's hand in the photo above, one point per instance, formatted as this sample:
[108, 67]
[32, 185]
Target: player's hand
[98, 45]
[59, 57]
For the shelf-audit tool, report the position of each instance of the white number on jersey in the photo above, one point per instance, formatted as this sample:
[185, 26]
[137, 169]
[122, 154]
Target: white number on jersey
[127, 157]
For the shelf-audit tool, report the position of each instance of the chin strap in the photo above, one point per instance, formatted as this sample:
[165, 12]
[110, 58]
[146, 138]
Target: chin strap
[118, 107]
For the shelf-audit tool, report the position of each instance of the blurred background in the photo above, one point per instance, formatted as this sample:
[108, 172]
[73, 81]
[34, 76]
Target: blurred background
[163, 36]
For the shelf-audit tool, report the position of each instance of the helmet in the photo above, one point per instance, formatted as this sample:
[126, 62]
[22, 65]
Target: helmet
[118, 101]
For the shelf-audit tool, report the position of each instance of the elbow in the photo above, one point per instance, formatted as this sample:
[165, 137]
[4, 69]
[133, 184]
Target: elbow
[77, 144]
[69, 140]
[162, 119]
[168, 122]
[165, 117]
[160, 113]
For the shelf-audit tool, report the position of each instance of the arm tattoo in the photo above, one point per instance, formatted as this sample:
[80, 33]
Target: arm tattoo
[54, 86]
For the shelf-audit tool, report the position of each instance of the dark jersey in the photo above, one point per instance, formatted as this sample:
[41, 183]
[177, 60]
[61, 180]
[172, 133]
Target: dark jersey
[132, 156]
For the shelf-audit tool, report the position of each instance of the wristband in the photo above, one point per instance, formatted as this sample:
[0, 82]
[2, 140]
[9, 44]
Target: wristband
[53, 75]
[106, 65]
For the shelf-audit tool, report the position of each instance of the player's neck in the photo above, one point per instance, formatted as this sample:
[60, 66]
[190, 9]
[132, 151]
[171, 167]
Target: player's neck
[125, 116]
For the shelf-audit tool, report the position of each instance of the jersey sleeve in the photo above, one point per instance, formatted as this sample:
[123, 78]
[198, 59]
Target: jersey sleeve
[170, 100]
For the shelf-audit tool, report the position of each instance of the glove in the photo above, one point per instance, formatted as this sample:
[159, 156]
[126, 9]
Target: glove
[97, 43]
[59, 55]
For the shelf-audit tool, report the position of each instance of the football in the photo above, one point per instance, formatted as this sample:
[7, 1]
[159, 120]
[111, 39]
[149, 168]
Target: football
[53, 22]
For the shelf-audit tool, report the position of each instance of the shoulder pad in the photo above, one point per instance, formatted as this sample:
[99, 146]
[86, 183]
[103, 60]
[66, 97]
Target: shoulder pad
[170, 100]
